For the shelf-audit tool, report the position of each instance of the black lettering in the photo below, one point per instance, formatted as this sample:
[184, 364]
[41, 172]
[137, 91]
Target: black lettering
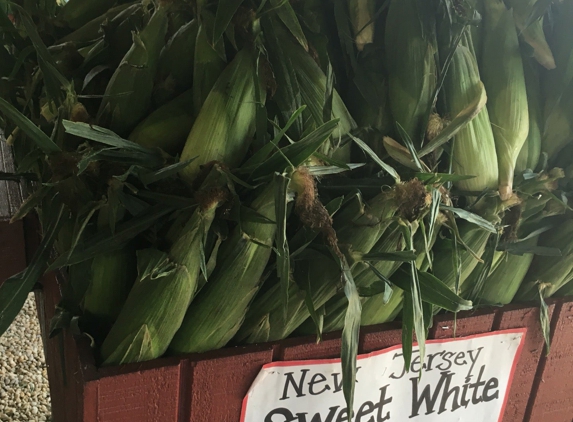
[286, 414]
[415, 361]
[317, 379]
[461, 355]
[365, 410]
[343, 416]
[431, 358]
[474, 360]
[464, 401]
[491, 384]
[337, 385]
[447, 393]
[403, 370]
[380, 405]
[317, 418]
[446, 359]
[476, 385]
[297, 388]
[426, 397]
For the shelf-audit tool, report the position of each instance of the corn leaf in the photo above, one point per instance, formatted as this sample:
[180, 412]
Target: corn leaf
[400, 256]
[459, 122]
[108, 242]
[103, 136]
[350, 336]
[387, 168]
[287, 15]
[544, 320]
[41, 140]
[283, 256]
[296, 154]
[225, 12]
[14, 291]
[471, 217]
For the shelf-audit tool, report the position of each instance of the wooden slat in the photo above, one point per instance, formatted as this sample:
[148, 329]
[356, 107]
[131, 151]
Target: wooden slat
[519, 317]
[552, 395]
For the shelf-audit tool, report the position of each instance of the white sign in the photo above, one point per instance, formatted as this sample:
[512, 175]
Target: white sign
[465, 379]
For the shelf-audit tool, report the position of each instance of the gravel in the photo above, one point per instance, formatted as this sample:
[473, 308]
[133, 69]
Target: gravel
[24, 391]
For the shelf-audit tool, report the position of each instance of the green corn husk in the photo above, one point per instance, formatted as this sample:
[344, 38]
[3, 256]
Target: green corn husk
[551, 271]
[504, 279]
[207, 68]
[362, 19]
[90, 31]
[157, 303]
[374, 309]
[504, 81]
[410, 51]
[220, 307]
[176, 63]
[364, 278]
[312, 83]
[226, 123]
[444, 267]
[558, 85]
[357, 226]
[474, 147]
[168, 126]
[565, 291]
[533, 33]
[77, 13]
[128, 95]
[531, 150]
[112, 276]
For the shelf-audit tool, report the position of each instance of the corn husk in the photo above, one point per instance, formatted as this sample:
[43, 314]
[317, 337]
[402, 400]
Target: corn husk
[551, 271]
[531, 150]
[558, 85]
[219, 309]
[168, 126]
[166, 283]
[474, 148]
[127, 97]
[362, 19]
[226, 122]
[502, 74]
[410, 51]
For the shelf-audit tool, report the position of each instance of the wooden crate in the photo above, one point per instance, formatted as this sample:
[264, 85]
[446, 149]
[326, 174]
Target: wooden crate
[210, 387]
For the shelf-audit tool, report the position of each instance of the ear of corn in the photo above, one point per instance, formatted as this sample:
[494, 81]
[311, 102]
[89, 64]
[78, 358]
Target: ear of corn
[533, 32]
[219, 309]
[226, 123]
[175, 69]
[207, 68]
[503, 281]
[505, 86]
[474, 148]
[551, 271]
[312, 82]
[558, 85]
[168, 126]
[159, 299]
[359, 227]
[411, 65]
[76, 13]
[531, 150]
[128, 95]
[362, 19]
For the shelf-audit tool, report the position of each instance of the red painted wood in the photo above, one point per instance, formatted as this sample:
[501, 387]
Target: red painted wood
[12, 249]
[552, 399]
[378, 337]
[307, 348]
[514, 316]
[219, 384]
[466, 324]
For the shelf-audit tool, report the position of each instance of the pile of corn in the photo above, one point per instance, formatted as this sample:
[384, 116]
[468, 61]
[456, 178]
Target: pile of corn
[221, 173]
